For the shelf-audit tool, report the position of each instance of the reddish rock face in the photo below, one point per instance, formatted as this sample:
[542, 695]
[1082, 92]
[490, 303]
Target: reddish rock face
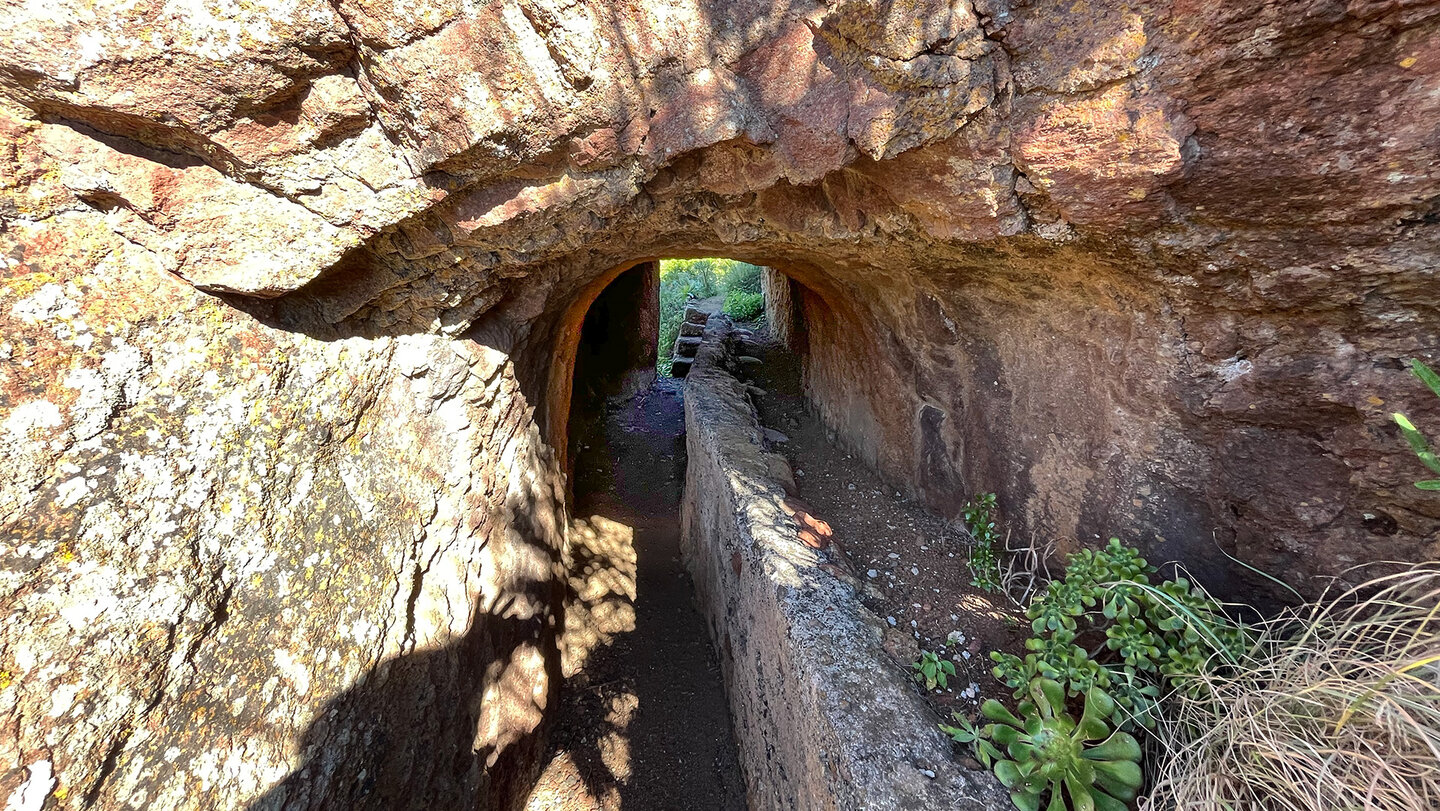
[1144, 269]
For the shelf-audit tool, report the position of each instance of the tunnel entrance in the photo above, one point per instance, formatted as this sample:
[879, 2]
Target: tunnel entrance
[643, 721]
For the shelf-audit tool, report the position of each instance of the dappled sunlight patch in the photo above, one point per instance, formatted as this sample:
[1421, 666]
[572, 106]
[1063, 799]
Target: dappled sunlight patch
[602, 583]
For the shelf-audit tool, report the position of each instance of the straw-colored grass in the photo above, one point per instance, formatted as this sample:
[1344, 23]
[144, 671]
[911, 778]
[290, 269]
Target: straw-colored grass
[1336, 707]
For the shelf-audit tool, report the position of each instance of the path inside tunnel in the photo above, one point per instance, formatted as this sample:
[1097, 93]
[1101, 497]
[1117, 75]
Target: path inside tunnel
[645, 725]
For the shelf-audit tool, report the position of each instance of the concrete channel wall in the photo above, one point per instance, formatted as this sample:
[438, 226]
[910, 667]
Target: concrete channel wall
[823, 717]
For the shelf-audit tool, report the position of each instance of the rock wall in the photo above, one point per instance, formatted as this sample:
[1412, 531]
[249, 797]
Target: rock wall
[1150, 269]
[823, 717]
[251, 566]
[781, 308]
[617, 347]
[250, 560]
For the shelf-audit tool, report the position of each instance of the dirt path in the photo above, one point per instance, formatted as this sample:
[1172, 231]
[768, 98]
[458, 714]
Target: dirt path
[645, 725]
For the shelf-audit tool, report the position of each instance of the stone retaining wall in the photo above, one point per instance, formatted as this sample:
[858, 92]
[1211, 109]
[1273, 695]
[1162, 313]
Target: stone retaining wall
[823, 717]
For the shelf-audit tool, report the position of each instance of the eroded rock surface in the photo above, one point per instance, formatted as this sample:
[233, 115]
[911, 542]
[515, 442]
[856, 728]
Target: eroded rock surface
[1148, 269]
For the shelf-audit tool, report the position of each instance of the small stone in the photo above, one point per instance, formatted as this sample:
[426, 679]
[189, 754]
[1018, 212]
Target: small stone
[914, 570]
[872, 573]
[928, 773]
[890, 620]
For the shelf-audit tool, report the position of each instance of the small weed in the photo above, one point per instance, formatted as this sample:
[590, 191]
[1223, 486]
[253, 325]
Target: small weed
[932, 671]
[984, 552]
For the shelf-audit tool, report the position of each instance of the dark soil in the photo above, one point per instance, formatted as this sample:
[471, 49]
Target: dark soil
[912, 560]
[646, 724]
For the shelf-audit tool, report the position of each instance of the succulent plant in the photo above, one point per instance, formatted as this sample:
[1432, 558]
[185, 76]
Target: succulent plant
[1058, 606]
[1131, 638]
[1049, 751]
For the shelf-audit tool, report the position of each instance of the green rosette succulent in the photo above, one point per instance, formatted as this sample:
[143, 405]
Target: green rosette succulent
[1050, 752]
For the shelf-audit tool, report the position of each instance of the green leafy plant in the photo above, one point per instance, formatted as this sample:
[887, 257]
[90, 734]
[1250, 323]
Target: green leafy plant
[1417, 440]
[740, 276]
[1146, 636]
[1050, 752]
[932, 671]
[979, 517]
[743, 306]
[1105, 633]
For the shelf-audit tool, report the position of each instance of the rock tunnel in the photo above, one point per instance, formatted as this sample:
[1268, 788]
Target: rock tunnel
[296, 294]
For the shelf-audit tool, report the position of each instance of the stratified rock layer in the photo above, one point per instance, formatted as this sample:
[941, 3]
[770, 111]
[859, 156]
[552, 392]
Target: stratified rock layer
[1149, 269]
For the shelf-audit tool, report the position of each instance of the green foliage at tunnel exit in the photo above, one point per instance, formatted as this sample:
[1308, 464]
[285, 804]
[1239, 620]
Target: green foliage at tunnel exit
[743, 306]
[702, 278]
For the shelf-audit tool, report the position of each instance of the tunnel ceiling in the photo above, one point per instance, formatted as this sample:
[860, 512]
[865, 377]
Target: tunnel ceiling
[417, 161]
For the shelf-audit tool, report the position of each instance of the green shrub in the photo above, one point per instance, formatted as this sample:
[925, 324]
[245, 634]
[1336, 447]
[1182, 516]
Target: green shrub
[740, 276]
[679, 279]
[703, 278]
[743, 306]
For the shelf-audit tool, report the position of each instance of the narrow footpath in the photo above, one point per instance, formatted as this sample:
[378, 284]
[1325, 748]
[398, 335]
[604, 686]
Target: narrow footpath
[645, 725]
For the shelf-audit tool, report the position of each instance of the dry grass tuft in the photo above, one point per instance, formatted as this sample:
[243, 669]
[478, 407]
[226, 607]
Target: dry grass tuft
[1336, 707]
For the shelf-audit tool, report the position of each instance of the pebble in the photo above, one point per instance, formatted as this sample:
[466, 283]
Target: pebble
[914, 570]
[893, 556]
[928, 773]
[890, 620]
[872, 573]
